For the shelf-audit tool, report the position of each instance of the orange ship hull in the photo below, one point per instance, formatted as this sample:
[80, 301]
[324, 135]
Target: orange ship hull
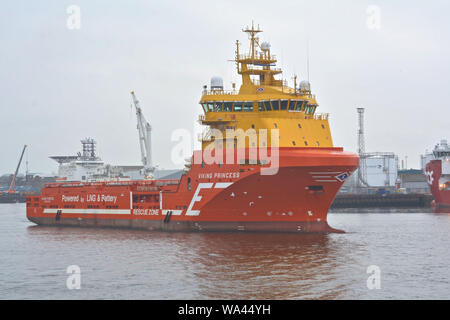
[441, 202]
[226, 197]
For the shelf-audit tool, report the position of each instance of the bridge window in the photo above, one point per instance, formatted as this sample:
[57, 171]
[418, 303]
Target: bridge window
[310, 108]
[300, 105]
[210, 106]
[275, 104]
[238, 106]
[292, 104]
[219, 106]
[228, 106]
[267, 105]
[248, 106]
[205, 108]
[283, 104]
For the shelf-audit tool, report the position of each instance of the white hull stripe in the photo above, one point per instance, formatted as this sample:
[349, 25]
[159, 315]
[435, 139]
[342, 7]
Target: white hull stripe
[174, 212]
[222, 185]
[131, 200]
[89, 211]
[326, 172]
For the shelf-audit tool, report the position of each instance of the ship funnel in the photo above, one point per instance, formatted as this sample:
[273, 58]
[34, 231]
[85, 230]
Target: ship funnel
[216, 83]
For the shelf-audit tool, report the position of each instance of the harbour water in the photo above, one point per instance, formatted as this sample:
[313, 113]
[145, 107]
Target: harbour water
[411, 250]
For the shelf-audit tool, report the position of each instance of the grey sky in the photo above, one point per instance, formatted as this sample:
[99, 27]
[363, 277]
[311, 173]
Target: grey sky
[59, 85]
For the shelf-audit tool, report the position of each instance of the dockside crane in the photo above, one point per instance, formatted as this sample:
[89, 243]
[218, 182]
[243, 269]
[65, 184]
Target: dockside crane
[13, 182]
[145, 137]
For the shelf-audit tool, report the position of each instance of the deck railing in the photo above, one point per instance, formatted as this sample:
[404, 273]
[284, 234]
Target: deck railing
[219, 92]
[205, 136]
[321, 116]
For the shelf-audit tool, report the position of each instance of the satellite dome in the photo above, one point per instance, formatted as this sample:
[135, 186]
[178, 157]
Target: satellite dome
[265, 46]
[305, 85]
[217, 83]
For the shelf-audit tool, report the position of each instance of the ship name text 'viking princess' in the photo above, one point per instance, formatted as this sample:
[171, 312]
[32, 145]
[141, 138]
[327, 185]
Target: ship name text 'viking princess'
[267, 163]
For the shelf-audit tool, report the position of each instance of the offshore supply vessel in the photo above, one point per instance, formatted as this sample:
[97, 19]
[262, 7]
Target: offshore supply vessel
[267, 163]
[437, 172]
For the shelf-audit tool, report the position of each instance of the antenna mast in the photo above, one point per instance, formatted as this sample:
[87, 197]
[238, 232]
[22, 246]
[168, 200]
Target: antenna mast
[307, 58]
[362, 172]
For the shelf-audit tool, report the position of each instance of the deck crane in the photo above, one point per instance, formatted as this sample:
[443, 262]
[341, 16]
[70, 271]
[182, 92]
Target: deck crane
[13, 182]
[145, 137]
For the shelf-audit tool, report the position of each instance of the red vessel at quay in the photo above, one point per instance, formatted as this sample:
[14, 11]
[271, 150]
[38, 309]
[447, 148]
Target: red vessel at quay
[437, 172]
[281, 182]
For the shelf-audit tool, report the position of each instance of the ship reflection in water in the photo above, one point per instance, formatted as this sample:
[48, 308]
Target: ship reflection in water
[411, 250]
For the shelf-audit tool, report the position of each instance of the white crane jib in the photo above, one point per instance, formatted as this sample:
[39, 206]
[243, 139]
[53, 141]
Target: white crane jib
[145, 136]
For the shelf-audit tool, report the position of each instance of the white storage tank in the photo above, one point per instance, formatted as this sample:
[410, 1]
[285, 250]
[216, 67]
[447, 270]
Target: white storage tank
[381, 169]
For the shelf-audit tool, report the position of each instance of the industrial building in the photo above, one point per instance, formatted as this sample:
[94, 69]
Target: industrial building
[376, 169]
[413, 181]
[380, 170]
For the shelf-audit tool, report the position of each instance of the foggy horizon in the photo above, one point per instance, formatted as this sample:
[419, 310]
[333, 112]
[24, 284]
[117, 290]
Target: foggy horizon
[61, 85]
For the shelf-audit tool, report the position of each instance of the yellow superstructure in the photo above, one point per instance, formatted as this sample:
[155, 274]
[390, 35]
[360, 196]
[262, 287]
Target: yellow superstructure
[263, 102]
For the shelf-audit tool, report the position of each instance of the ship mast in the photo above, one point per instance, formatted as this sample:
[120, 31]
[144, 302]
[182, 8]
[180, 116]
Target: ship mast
[145, 137]
[253, 39]
[257, 62]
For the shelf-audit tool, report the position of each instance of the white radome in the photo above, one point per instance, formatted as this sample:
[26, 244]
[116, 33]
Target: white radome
[216, 83]
[265, 46]
[305, 85]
